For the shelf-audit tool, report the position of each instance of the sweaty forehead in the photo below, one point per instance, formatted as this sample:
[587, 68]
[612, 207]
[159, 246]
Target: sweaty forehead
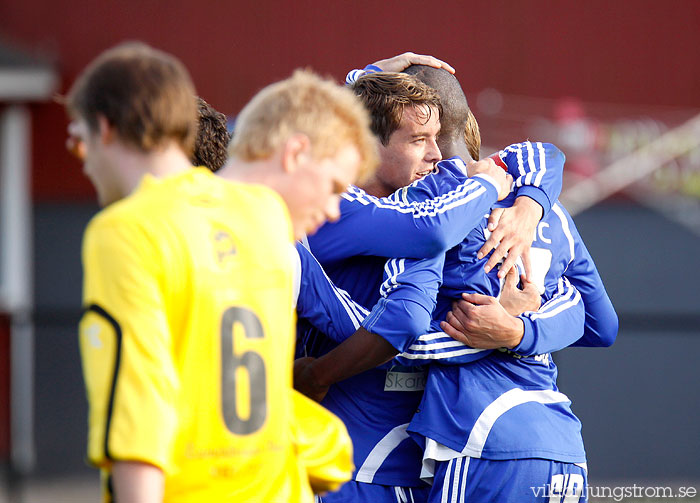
[421, 118]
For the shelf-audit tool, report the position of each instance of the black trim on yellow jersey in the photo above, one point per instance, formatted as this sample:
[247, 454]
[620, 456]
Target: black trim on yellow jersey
[109, 488]
[117, 360]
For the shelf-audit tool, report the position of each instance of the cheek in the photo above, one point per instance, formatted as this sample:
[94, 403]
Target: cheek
[392, 167]
[310, 198]
[323, 188]
[409, 156]
[332, 211]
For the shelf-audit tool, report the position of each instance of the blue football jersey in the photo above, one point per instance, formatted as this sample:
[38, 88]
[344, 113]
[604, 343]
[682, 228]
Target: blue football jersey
[506, 405]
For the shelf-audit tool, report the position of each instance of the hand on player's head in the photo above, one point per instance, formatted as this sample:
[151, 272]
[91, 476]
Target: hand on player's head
[403, 61]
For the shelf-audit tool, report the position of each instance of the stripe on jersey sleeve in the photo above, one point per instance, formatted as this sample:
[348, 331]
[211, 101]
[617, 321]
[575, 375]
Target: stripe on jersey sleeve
[463, 194]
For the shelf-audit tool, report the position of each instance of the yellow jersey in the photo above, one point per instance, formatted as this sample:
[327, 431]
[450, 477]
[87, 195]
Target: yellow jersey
[187, 339]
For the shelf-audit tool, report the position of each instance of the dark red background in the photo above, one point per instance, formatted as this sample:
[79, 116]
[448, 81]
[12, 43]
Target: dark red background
[638, 52]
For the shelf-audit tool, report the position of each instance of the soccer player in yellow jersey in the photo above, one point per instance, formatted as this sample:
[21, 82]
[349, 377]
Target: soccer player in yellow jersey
[187, 336]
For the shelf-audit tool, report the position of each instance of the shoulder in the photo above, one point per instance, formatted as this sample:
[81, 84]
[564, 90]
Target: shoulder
[119, 215]
[454, 166]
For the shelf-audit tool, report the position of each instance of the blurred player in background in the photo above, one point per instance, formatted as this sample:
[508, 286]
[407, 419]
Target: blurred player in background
[187, 333]
[211, 142]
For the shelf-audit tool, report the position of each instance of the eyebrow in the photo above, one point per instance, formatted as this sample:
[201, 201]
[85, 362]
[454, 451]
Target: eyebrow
[425, 133]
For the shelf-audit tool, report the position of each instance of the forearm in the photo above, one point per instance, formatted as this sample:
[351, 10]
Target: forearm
[360, 352]
[601, 325]
[438, 347]
[436, 216]
[135, 482]
[529, 209]
[557, 324]
[601, 322]
[327, 307]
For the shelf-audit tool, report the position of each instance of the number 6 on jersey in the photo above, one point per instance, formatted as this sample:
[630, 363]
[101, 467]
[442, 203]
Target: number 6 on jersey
[230, 365]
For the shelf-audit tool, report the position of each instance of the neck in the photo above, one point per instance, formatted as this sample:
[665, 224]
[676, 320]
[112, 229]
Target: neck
[376, 188]
[455, 148]
[264, 172]
[161, 162]
[270, 173]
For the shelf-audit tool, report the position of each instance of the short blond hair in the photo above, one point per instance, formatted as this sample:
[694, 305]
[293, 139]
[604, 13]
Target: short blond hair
[331, 116]
[472, 136]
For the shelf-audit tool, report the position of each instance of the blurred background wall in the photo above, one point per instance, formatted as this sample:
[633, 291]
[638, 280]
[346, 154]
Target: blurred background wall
[600, 79]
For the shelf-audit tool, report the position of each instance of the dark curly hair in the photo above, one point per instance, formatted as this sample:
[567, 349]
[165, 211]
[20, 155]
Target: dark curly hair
[212, 138]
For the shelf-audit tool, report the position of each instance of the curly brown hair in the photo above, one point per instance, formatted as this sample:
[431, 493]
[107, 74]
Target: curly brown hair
[211, 143]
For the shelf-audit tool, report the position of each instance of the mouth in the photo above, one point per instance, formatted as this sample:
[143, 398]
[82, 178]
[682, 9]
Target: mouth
[426, 172]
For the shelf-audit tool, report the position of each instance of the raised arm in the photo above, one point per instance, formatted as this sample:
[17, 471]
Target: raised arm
[428, 217]
[398, 64]
[537, 170]
[600, 320]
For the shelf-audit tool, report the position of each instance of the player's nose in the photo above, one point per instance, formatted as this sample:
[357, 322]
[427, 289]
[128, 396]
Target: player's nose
[433, 153]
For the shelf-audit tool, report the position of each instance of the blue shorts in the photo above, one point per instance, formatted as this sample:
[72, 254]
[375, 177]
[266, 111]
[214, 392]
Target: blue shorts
[360, 492]
[476, 480]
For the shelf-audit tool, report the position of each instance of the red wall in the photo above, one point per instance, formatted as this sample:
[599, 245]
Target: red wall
[638, 52]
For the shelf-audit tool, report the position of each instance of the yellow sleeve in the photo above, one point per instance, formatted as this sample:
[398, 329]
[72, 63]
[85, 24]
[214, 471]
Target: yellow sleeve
[323, 444]
[126, 348]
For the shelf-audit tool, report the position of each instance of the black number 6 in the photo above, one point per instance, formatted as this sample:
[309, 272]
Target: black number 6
[252, 362]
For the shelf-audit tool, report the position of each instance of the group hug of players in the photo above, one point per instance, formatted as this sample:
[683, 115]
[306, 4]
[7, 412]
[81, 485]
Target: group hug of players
[425, 310]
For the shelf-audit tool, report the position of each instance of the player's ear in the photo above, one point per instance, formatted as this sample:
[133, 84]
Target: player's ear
[105, 129]
[295, 152]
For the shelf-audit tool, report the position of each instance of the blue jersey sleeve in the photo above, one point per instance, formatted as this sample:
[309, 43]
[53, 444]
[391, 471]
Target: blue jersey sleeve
[353, 75]
[327, 307]
[407, 300]
[437, 211]
[601, 325]
[581, 289]
[438, 347]
[421, 220]
[536, 169]
[557, 324]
